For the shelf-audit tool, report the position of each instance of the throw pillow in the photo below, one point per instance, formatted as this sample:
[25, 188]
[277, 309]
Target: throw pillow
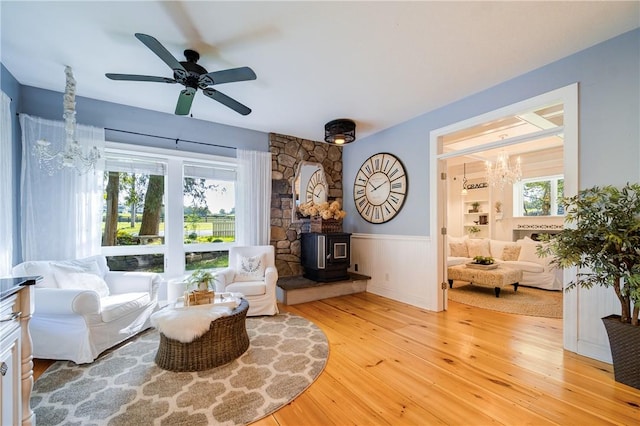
[511, 252]
[453, 240]
[68, 276]
[94, 264]
[528, 251]
[458, 249]
[250, 268]
[43, 269]
[478, 247]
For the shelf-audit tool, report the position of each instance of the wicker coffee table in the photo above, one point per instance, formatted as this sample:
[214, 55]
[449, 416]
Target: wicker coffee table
[493, 278]
[225, 341]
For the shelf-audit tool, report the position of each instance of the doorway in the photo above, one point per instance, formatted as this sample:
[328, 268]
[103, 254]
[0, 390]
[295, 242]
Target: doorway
[475, 139]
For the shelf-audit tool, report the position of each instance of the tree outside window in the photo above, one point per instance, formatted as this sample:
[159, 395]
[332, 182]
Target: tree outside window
[134, 220]
[539, 196]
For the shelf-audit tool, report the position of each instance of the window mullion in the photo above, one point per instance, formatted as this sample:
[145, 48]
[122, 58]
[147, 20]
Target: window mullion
[174, 260]
[554, 197]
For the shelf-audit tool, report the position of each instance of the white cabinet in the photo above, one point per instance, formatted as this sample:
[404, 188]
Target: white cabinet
[16, 359]
[476, 214]
[10, 386]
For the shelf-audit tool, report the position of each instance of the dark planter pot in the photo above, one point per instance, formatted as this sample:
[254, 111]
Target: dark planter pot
[625, 350]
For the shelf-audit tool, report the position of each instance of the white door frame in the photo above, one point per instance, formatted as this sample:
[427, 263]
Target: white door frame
[568, 95]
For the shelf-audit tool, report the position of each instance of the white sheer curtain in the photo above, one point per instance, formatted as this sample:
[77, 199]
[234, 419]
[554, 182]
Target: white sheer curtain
[61, 213]
[6, 194]
[253, 199]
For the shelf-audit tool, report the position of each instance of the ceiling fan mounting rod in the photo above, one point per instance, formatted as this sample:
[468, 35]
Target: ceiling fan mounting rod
[191, 55]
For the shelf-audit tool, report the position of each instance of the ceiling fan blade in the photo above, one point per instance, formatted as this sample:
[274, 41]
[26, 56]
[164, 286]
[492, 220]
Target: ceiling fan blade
[185, 100]
[161, 51]
[228, 76]
[134, 77]
[227, 101]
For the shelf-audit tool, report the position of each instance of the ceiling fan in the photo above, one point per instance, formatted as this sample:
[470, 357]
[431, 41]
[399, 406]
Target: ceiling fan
[192, 76]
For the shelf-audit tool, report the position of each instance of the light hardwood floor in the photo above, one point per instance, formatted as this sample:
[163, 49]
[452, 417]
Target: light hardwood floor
[395, 364]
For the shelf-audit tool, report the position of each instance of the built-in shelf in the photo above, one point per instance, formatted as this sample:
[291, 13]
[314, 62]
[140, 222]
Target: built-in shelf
[478, 215]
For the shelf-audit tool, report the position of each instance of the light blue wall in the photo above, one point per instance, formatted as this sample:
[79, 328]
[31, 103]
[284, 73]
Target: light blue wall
[48, 104]
[609, 146]
[11, 87]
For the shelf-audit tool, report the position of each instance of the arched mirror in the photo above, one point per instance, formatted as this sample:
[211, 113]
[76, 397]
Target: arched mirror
[310, 184]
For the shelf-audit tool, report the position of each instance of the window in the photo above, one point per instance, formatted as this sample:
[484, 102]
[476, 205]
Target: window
[209, 214]
[165, 212]
[539, 196]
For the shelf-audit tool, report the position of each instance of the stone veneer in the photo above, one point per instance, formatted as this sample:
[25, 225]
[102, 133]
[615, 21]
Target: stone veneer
[287, 152]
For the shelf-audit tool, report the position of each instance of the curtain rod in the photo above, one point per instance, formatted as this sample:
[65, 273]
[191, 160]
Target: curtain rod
[171, 139]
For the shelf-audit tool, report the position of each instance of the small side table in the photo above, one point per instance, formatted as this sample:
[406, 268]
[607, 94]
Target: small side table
[175, 289]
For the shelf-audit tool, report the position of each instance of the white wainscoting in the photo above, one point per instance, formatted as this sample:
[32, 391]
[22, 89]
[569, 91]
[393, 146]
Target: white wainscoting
[401, 267]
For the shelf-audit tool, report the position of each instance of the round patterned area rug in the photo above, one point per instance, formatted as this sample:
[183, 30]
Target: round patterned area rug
[125, 386]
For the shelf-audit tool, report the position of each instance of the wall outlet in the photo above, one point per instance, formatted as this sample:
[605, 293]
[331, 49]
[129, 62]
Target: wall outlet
[386, 276]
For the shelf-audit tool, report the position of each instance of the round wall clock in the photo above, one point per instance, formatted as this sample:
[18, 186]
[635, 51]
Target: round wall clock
[317, 188]
[380, 188]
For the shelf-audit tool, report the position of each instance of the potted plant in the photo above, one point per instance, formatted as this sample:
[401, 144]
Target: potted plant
[484, 260]
[474, 207]
[498, 207]
[201, 280]
[473, 230]
[605, 247]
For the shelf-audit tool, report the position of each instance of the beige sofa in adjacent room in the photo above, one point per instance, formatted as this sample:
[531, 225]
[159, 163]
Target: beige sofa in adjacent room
[536, 271]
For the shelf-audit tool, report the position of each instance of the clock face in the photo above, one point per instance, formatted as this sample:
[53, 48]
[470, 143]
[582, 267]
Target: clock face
[317, 188]
[380, 188]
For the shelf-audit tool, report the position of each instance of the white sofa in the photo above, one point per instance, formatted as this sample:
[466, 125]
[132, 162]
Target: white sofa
[82, 308]
[536, 271]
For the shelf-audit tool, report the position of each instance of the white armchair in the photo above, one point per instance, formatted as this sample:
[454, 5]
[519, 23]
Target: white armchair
[252, 272]
[82, 308]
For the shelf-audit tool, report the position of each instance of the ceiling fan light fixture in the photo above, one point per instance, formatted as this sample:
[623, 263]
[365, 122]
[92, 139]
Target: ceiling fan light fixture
[340, 131]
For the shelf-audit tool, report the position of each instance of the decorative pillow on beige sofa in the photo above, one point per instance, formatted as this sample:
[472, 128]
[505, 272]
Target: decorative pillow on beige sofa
[459, 249]
[454, 240]
[511, 252]
[528, 251]
[478, 247]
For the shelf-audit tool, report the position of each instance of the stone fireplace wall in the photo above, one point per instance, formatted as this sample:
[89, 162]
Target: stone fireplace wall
[287, 152]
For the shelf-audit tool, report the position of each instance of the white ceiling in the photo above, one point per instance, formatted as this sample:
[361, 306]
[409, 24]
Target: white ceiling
[378, 63]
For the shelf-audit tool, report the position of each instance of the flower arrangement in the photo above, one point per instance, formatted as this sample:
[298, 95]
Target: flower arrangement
[324, 210]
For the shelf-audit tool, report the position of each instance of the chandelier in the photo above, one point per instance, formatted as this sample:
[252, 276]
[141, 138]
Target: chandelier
[501, 173]
[72, 156]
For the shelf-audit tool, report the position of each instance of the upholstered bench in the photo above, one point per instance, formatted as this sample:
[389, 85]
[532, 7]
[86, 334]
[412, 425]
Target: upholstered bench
[493, 278]
[225, 341]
